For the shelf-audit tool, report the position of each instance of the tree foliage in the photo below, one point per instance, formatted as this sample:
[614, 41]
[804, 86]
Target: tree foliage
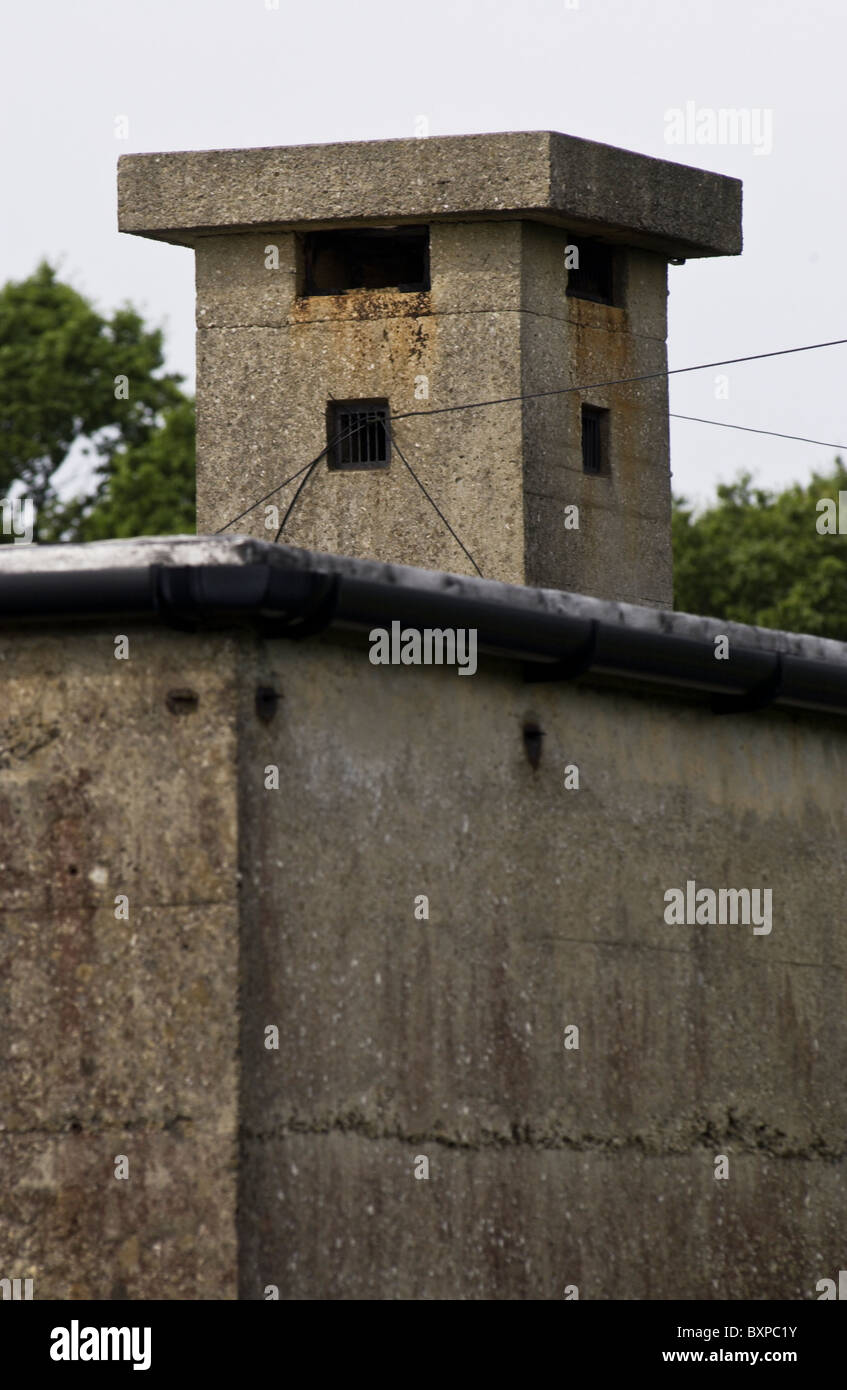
[60, 361]
[758, 557]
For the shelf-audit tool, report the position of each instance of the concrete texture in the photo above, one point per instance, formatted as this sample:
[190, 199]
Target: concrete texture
[263, 387]
[497, 325]
[618, 1227]
[444, 1038]
[662, 206]
[622, 547]
[119, 1036]
[401, 1037]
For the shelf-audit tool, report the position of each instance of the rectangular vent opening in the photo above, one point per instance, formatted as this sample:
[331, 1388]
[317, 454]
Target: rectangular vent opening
[358, 434]
[595, 439]
[593, 275]
[373, 258]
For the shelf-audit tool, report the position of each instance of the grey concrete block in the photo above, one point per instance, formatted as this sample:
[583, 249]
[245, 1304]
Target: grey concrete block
[659, 205]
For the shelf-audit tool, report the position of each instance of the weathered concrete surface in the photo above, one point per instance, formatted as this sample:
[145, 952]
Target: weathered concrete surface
[400, 1037]
[118, 1036]
[262, 392]
[663, 206]
[622, 548]
[350, 1222]
[497, 324]
[444, 1038]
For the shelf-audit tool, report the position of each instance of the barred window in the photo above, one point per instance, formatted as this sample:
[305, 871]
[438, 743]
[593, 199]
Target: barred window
[595, 439]
[358, 434]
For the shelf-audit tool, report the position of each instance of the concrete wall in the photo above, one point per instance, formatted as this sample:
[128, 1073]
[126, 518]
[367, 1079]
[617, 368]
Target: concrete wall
[399, 1037]
[268, 361]
[444, 1038]
[118, 1037]
[496, 323]
[622, 547]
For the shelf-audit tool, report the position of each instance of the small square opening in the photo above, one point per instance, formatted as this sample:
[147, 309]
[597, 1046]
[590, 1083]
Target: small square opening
[595, 276]
[358, 434]
[595, 440]
[372, 258]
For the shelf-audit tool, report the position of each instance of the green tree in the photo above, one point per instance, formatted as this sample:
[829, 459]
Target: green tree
[69, 376]
[758, 557]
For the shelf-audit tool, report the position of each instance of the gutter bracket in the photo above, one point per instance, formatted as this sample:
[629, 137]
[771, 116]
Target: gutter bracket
[173, 597]
[567, 667]
[757, 697]
[316, 615]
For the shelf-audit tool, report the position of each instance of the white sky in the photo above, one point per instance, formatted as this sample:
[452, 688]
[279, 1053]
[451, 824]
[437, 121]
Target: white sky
[205, 74]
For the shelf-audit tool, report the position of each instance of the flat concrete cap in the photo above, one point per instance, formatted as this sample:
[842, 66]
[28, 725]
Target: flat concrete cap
[539, 175]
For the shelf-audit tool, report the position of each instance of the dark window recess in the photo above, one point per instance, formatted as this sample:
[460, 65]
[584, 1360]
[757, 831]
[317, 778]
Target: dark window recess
[372, 259]
[358, 434]
[594, 278]
[595, 439]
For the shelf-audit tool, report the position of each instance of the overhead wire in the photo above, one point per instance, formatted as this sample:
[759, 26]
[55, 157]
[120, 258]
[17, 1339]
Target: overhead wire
[620, 381]
[308, 468]
[749, 429]
[280, 486]
[435, 505]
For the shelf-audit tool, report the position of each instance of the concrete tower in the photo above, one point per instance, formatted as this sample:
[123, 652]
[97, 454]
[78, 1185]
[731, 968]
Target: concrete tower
[350, 296]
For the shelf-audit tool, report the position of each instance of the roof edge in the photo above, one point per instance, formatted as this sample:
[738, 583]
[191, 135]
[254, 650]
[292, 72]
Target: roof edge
[294, 593]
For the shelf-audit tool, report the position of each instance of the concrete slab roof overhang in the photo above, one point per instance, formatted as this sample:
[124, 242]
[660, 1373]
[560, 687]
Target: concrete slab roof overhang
[188, 581]
[545, 176]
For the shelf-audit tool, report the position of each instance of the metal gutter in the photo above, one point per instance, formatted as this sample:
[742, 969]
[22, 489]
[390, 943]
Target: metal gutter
[296, 603]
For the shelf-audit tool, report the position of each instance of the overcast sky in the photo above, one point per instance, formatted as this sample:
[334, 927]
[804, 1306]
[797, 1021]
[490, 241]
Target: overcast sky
[212, 74]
